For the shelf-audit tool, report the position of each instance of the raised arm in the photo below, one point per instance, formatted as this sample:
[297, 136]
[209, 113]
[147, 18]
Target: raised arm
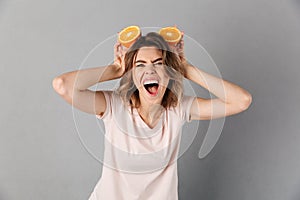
[231, 98]
[73, 86]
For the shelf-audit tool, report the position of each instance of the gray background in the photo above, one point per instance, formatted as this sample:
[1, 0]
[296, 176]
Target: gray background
[254, 43]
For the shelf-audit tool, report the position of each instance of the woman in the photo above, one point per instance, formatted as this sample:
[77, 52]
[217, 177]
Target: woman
[144, 116]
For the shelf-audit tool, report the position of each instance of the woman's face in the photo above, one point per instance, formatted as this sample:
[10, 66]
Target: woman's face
[149, 74]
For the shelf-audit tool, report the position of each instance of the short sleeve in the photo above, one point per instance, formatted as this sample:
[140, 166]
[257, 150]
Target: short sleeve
[109, 102]
[185, 108]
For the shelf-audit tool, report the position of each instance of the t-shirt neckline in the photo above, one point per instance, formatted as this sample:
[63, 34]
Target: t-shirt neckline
[158, 124]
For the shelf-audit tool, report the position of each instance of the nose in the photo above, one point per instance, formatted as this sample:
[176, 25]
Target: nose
[150, 69]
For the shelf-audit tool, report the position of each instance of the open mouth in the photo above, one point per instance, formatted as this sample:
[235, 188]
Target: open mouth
[152, 87]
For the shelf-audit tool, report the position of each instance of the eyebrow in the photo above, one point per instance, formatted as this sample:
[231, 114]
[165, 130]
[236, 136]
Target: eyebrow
[142, 61]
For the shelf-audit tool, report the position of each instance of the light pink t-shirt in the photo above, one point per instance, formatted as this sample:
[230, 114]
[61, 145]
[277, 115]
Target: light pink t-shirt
[140, 163]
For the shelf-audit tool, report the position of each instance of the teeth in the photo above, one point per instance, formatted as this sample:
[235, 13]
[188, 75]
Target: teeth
[150, 82]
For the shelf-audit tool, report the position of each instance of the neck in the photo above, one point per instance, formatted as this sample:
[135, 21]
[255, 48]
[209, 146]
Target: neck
[150, 113]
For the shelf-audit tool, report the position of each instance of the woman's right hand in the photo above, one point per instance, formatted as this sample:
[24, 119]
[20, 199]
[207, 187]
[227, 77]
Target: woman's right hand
[119, 54]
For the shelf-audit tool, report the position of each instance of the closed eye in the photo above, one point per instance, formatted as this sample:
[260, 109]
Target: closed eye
[158, 64]
[140, 65]
[155, 64]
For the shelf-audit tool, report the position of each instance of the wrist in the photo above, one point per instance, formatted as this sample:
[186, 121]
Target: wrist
[190, 70]
[187, 67]
[117, 70]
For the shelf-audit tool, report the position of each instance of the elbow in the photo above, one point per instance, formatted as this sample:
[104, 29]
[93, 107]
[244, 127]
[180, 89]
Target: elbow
[245, 101]
[58, 85]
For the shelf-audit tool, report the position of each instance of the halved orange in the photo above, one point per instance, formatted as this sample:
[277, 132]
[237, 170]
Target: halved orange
[129, 35]
[171, 34]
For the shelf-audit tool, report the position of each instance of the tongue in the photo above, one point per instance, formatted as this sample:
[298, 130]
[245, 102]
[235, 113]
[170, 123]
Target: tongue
[153, 89]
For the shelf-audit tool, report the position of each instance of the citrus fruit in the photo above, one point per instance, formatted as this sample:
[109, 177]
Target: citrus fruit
[171, 34]
[129, 35]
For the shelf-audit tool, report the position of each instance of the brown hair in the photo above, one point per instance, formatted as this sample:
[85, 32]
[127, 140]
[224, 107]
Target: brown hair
[174, 69]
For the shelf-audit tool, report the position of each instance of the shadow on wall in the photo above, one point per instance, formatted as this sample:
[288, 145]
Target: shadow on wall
[297, 1]
[296, 194]
[297, 4]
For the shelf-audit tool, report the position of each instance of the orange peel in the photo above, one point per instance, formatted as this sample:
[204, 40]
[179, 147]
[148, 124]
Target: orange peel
[171, 34]
[129, 35]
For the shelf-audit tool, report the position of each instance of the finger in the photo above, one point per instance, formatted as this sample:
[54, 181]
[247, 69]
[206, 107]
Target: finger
[116, 45]
[124, 49]
[178, 45]
[181, 44]
[121, 50]
[117, 51]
